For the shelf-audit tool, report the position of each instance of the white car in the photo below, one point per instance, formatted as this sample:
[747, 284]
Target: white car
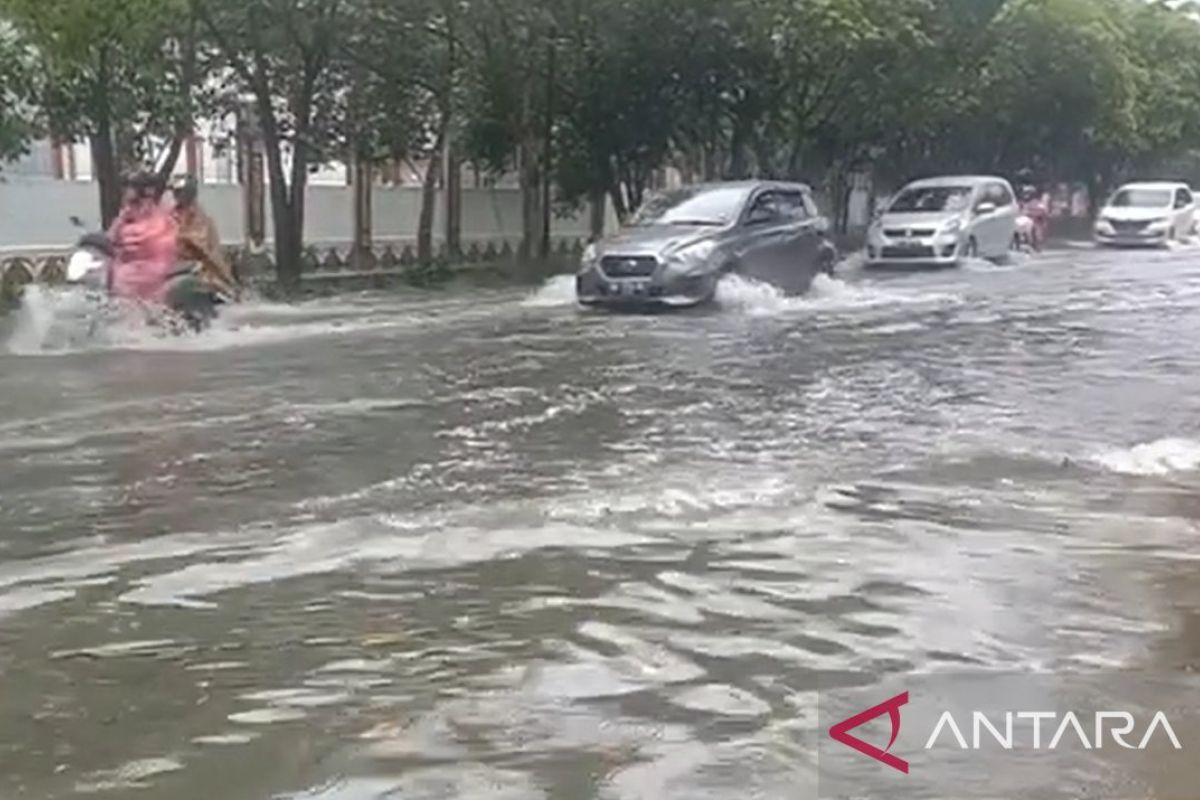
[944, 221]
[1147, 214]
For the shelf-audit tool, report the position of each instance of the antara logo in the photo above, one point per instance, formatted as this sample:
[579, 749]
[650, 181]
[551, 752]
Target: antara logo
[1117, 725]
[841, 731]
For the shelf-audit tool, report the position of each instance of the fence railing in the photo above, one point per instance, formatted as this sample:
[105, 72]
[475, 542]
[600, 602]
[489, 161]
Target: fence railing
[319, 263]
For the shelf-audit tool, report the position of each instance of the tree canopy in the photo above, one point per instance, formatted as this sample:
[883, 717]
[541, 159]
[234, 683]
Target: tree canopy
[587, 99]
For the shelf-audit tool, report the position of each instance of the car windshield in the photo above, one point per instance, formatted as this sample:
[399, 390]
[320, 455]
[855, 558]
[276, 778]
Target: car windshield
[712, 206]
[931, 198]
[1141, 198]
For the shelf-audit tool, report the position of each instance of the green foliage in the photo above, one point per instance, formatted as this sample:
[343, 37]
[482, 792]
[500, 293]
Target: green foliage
[122, 66]
[599, 94]
[18, 112]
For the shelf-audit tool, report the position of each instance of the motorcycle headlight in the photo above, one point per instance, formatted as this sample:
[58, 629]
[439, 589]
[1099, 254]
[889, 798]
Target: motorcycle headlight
[81, 263]
[692, 256]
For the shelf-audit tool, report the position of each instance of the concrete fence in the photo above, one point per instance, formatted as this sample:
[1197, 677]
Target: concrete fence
[35, 214]
[36, 233]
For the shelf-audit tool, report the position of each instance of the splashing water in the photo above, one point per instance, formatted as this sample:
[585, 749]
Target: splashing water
[556, 291]
[1160, 457]
[743, 295]
[52, 322]
[755, 298]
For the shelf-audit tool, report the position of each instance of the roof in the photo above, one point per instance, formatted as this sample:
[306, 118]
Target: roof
[1161, 185]
[750, 184]
[957, 180]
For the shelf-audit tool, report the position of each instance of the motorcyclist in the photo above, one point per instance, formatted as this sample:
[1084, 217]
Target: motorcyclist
[199, 239]
[144, 239]
[1035, 206]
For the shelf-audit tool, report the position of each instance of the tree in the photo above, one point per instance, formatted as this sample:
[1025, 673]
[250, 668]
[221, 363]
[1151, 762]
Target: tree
[17, 95]
[509, 123]
[282, 55]
[121, 73]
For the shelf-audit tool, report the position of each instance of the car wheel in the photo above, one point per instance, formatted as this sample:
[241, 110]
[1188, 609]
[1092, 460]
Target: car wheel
[827, 262]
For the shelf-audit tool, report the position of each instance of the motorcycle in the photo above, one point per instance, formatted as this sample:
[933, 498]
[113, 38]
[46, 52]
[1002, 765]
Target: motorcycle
[191, 305]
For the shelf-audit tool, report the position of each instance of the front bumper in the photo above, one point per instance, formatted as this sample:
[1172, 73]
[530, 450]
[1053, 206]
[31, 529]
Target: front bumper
[594, 288]
[1143, 238]
[932, 250]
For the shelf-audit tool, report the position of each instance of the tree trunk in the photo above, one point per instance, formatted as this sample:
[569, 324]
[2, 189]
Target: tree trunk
[453, 201]
[737, 152]
[108, 176]
[596, 216]
[429, 196]
[104, 159]
[531, 200]
[363, 181]
[289, 240]
[547, 152]
[618, 201]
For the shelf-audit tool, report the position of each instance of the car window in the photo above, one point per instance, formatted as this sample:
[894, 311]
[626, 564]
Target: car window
[792, 205]
[1004, 196]
[766, 206]
[1183, 198]
[702, 205]
[918, 199]
[1141, 198]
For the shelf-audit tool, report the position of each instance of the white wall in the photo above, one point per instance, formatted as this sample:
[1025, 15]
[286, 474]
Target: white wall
[35, 214]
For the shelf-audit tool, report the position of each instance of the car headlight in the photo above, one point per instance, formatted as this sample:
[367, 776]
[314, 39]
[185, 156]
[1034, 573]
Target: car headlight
[1159, 224]
[688, 258]
[1104, 225]
[950, 228]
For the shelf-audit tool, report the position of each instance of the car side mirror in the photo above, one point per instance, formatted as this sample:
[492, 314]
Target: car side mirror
[984, 208]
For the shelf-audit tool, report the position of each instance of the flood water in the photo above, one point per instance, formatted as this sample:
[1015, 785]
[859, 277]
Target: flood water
[480, 544]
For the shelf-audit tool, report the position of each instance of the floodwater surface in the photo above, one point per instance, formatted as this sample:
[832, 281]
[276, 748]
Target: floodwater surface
[481, 544]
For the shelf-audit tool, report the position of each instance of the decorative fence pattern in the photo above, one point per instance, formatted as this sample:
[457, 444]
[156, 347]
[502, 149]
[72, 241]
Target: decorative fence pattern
[319, 262]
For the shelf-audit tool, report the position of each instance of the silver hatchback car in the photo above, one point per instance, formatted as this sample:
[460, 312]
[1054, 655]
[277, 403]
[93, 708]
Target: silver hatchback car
[944, 221]
[680, 244]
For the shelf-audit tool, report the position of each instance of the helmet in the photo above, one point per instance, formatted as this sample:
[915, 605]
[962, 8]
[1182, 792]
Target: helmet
[145, 184]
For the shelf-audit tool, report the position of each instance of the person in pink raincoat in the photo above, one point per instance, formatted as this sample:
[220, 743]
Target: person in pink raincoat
[144, 238]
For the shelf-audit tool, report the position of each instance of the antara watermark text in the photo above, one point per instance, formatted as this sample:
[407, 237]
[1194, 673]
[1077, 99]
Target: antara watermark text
[1091, 731]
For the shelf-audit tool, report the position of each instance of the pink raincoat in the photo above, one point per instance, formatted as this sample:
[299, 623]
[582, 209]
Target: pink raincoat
[144, 236]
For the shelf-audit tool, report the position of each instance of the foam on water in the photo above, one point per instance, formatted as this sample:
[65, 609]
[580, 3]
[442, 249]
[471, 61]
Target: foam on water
[58, 322]
[1160, 457]
[755, 298]
[556, 291]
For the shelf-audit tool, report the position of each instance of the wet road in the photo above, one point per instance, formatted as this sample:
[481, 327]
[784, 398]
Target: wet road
[482, 545]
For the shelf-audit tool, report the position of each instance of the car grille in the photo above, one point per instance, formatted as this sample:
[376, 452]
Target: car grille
[900, 233]
[628, 266]
[1127, 226]
[908, 252]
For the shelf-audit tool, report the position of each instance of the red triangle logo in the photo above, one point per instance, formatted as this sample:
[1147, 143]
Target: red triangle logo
[841, 731]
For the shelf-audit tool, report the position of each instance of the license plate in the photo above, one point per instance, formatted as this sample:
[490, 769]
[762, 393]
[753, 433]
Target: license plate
[629, 287]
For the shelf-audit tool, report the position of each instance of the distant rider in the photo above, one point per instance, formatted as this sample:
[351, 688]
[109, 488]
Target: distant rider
[1036, 206]
[144, 239]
